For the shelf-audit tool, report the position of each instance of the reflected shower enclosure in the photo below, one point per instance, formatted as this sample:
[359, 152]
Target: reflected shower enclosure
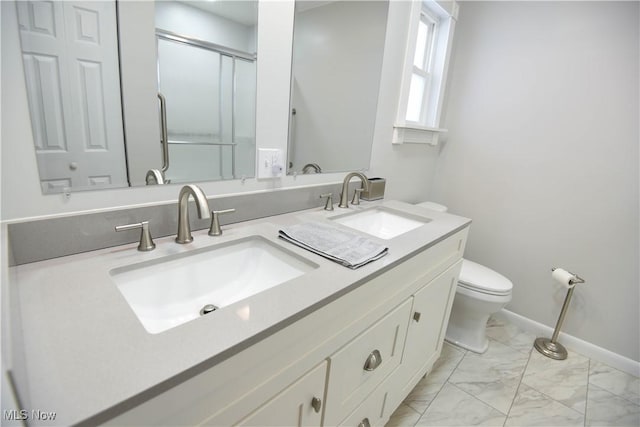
[209, 89]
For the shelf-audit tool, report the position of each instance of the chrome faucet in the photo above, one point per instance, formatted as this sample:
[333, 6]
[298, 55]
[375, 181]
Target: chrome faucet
[316, 168]
[344, 196]
[184, 229]
[155, 177]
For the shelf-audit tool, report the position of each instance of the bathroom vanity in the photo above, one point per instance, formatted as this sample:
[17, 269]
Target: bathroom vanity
[331, 346]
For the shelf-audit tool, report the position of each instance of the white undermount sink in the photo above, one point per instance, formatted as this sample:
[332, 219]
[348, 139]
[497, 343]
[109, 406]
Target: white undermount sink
[381, 222]
[172, 290]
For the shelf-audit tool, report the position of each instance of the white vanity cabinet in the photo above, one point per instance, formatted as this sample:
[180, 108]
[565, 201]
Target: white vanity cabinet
[423, 327]
[349, 362]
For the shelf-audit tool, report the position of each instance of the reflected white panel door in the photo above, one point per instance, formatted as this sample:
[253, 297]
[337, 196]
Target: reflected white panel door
[70, 56]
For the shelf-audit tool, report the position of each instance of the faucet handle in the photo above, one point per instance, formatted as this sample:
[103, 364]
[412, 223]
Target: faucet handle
[328, 206]
[146, 242]
[215, 229]
[356, 196]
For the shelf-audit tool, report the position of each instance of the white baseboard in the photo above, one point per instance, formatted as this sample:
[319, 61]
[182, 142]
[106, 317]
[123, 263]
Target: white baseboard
[576, 344]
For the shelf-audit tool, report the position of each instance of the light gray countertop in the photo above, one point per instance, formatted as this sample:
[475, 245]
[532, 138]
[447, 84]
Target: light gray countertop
[88, 357]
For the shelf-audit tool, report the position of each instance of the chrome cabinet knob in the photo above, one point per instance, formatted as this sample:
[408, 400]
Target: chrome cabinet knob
[316, 404]
[364, 423]
[373, 361]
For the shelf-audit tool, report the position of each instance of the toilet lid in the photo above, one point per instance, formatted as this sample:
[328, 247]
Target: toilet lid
[482, 279]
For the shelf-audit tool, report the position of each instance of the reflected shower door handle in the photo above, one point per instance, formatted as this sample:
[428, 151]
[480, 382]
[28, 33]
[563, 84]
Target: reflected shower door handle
[164, 139]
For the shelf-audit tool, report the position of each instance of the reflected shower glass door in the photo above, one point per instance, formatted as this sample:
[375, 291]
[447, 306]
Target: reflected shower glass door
[210, 116]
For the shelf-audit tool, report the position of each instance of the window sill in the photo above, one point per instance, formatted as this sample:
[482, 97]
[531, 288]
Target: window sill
[416, 134]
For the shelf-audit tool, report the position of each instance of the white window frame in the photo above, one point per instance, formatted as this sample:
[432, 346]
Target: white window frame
[426, 130]
[425, 70]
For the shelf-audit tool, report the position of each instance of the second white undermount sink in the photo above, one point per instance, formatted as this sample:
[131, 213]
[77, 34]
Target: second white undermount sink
[173, 290]
[381, 222]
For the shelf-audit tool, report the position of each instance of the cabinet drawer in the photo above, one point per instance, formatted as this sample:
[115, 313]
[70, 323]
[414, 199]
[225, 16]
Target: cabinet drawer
[361, 365]
[376, 409]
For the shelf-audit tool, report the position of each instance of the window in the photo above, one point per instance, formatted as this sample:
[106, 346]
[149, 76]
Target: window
[424, 76]
[422, 70]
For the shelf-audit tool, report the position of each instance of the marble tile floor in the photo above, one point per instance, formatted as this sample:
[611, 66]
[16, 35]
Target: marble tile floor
[514, 385]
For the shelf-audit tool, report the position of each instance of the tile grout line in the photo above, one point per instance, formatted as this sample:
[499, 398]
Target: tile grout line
[586, 397]
[420, 415]
[555, 400]
[471, 395]
[443, 384]
[621, 396]
[616, 395]
[584, 415]
[519, 382]
[530, 358]
[518, 389]
[479, 400]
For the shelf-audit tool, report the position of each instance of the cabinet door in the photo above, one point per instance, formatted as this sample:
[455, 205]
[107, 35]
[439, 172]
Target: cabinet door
[429, 319]
[300, 404]
[425, 335]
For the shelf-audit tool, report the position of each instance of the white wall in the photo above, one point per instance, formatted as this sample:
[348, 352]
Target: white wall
[408, 169]
[542, 154]
[337, 53]
[190, 21]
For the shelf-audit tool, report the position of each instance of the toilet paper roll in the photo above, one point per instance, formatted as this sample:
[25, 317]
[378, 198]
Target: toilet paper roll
[564, 277]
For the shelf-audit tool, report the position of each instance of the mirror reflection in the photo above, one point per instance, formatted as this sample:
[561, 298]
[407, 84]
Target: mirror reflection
[70, 57]
[337, 62]
[206, 72]
[207, 76]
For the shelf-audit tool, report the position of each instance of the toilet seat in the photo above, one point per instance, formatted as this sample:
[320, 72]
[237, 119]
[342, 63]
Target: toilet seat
[478, 278]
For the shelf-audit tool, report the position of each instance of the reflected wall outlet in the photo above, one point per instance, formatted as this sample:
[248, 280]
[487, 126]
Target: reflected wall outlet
[270, 163]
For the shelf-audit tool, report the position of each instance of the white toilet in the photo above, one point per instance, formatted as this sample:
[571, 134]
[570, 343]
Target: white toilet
[480, 293]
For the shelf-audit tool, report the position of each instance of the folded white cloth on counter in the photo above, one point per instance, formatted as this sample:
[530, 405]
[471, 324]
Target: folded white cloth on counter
[349, 249]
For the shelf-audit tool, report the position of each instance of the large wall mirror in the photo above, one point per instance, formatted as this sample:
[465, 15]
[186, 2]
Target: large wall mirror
[337, 61]
[206, 73]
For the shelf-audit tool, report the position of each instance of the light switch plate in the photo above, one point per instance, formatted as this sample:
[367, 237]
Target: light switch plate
[270, 163]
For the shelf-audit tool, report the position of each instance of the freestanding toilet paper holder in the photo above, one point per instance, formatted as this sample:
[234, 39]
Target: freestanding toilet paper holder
[550, 347]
